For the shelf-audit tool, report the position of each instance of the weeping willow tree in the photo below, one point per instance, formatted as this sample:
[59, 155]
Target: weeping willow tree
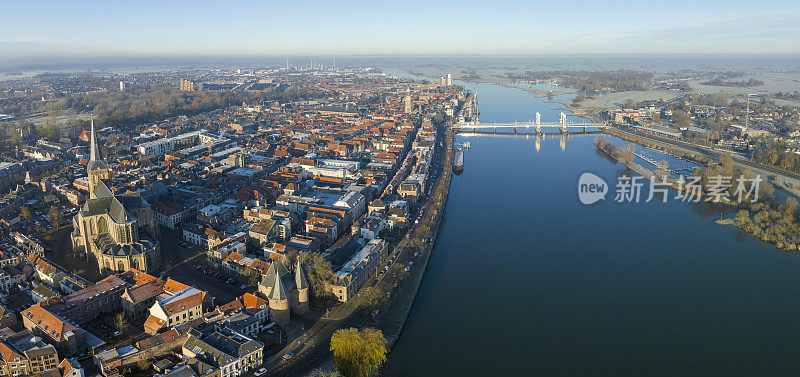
[358, 353]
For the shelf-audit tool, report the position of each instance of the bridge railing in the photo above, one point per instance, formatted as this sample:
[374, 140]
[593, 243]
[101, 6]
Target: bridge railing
[527, 125]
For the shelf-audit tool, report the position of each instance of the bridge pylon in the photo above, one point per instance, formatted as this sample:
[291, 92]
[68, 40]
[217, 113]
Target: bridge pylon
[562, 122]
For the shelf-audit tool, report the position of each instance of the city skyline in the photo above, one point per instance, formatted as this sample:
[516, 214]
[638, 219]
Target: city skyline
[61, 30]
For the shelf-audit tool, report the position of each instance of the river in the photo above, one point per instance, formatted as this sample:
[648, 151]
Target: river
[525, 280]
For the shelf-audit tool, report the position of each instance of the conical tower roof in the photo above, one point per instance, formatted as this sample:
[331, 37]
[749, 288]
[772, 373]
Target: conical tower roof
[278, 291]
[276, 268]
[268, 279]
[300, 281]
[95, 162]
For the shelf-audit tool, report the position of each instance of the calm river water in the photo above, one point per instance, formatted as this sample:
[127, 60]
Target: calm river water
[524, 280]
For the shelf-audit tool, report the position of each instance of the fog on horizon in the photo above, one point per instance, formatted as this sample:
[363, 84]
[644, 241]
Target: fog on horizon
[50, 32]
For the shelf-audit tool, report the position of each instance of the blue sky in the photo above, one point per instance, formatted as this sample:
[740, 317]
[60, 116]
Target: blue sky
[44, 29]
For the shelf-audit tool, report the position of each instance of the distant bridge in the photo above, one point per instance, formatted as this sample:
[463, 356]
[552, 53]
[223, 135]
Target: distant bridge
[537, 125]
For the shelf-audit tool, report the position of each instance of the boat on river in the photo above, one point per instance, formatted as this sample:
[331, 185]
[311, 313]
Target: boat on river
[458, 161]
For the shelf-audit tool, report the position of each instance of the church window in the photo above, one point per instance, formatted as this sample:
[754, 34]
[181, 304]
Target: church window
[102, 226]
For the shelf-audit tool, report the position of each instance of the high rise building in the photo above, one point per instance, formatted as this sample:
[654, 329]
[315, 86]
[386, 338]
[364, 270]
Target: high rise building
[407, 104]
[449, 80]
[186, 85]
[122, 86]
[442, 81]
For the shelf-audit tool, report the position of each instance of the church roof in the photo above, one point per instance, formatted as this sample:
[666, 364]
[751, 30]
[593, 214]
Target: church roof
[118, 212]
[102, 191]
[107, 202]
[133, 201]
[107, 245]
[96, 206]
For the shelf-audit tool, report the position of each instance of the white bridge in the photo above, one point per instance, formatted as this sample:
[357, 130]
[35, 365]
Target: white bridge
[537, 125]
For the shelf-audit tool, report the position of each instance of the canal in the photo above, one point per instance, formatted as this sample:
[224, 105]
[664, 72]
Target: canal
[525, 280]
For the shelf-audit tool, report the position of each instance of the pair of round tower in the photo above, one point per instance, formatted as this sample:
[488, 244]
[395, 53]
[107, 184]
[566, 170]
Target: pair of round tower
[275, 285]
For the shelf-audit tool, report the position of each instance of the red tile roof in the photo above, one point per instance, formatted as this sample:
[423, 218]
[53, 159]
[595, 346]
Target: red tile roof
[48, 322]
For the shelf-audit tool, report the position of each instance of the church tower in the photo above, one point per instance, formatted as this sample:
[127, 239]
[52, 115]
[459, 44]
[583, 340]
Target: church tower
[96, 168]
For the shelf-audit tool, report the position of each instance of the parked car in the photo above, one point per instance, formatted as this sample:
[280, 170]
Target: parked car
[287, 356]
[261, 372]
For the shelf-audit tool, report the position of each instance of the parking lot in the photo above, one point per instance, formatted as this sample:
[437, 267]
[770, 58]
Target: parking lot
[188, 265]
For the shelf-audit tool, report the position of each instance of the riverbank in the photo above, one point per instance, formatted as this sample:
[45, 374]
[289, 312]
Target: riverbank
[623, 156]
[694, 157]
[541, 93]
[404, 299]
[590, 104]
[769, 220]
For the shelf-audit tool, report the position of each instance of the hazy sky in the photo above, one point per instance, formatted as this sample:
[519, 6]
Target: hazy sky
[41, 29]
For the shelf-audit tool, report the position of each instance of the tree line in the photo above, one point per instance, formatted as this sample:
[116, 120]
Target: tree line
[138, 107]
[769, 219]
[127, 108]
[719, 81]
[773, 152]
[591, 82]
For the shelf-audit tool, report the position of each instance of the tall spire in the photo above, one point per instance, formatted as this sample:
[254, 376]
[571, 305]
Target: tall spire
[300, 281]
[95, 162]
[278, 291]
[95, 156]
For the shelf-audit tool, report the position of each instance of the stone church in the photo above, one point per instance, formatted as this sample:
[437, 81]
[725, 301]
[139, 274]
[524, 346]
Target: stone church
[117, 229]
